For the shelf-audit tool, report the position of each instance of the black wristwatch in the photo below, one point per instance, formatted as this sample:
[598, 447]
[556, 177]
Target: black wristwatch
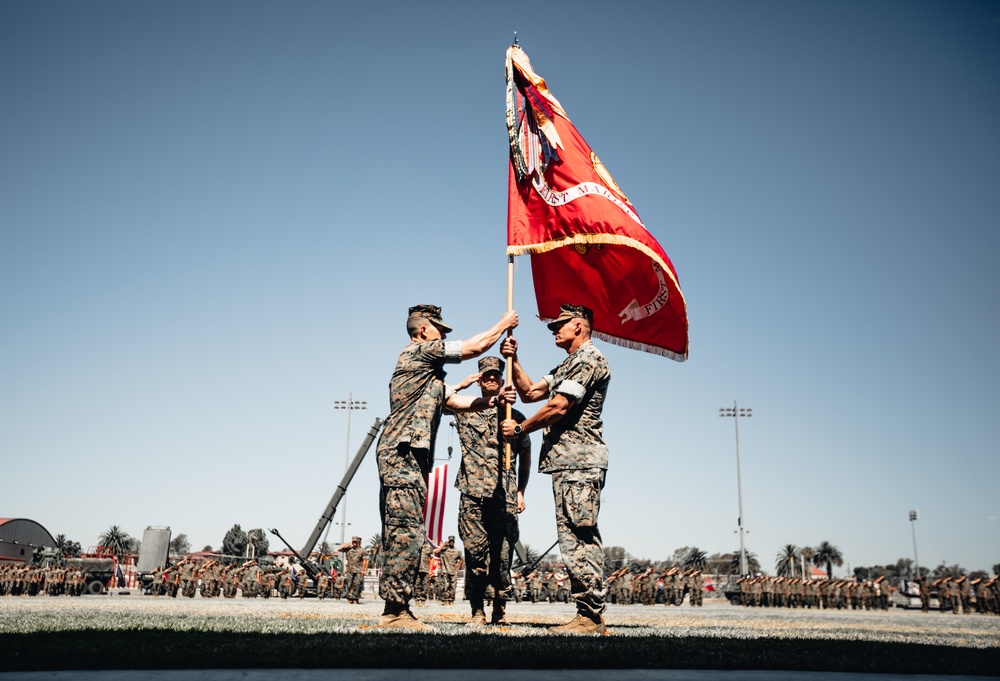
[517, 429]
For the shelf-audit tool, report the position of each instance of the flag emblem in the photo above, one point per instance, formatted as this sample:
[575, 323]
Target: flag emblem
[560, 195]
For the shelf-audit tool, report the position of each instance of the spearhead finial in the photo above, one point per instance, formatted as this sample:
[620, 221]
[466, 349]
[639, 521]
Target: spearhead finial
[515, 38]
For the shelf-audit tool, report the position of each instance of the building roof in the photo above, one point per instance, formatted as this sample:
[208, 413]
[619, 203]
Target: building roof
[24, 531]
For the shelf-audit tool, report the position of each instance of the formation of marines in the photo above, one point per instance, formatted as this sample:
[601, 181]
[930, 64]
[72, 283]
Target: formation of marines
[650, 587]
[28, 580]
[540, 586]
[961, 595]
[793, 592]
[954, 594]
[249, 580]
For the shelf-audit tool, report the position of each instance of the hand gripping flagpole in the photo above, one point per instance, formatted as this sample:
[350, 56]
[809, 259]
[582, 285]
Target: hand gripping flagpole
[509, 369]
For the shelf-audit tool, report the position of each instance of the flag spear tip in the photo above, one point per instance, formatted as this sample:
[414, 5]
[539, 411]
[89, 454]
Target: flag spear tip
[515, 38]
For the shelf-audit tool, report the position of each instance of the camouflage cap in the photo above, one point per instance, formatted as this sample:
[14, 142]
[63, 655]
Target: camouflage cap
[451, 538]
[355, 538]
[491, 364]
[567, 312]
[431, 313]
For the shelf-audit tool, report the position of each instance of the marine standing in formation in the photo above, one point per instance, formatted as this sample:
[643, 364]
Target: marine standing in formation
[492, 496]
[573, 452]
[417, 395]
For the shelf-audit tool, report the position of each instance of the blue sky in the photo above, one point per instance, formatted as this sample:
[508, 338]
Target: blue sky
[214, 216]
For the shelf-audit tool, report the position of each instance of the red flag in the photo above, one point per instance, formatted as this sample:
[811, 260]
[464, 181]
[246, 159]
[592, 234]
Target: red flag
[437, 489]
[587, 243]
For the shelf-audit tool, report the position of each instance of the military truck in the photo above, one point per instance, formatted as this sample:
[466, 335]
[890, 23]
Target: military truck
[99, 566]
[732, 591]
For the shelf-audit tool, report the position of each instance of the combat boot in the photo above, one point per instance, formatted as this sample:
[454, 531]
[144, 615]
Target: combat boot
[397, 616]
[499, 616]
[581, 624]
[478, 613]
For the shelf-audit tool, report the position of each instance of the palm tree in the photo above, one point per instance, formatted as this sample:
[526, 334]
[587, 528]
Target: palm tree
[375, 548]
[784, 561]
[66, 546]
[828, 555]
[753, 565]
[117, 540]
[696, 559]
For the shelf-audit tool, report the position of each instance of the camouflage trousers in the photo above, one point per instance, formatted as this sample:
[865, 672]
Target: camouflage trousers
[449, 583]
[578, 503]
[488, 531]
[402, 510]
[422, 587]
[355, 585]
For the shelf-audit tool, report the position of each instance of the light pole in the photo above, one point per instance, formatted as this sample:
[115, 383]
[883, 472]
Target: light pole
[736, 413]
[914, 515]
[350, 405]
[251, 549]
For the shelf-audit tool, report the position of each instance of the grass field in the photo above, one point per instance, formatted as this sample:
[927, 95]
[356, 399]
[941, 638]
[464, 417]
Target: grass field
[142, 632]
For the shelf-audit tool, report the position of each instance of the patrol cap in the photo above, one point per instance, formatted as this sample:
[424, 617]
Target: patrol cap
[451, 538]
[491, 364]
[355, 538]
[431, 313]
[567, 312]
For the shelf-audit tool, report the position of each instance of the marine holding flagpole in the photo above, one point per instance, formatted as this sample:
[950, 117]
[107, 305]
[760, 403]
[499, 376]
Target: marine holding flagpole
[573, 452]
[405, 452]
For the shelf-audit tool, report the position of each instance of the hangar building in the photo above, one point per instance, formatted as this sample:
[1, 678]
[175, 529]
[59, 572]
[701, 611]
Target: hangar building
[20, 538]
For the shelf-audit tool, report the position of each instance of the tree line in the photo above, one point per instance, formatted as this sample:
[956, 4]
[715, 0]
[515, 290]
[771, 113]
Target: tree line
[789, 561]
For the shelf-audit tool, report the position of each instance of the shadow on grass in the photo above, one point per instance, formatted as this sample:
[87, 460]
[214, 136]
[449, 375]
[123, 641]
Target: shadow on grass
[153, 649]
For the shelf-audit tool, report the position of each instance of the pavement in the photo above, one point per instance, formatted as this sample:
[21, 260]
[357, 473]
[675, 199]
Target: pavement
[459, 675]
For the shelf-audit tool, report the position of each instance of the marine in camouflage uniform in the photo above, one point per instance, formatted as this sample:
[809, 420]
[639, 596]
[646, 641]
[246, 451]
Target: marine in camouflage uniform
[573, 452]
[492, 495]
[924, 591]
[417, 395]
[423, 574]
[451, 563]
[519, 586]
[697, 583]
[535, 586]
[356, 565]
[322, 585]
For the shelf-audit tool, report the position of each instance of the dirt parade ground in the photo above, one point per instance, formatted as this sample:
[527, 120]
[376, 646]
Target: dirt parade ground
[133, 631]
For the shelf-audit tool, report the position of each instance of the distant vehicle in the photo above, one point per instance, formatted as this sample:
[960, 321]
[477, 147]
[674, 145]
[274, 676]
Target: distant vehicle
[732, 591]
[907, 595]
[99, 566]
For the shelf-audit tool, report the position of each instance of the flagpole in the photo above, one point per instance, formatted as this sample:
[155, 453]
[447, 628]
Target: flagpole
[509, 372]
